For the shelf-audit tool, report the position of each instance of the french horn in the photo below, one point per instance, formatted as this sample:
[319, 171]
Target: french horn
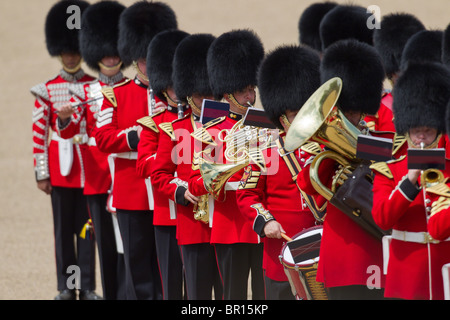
[244, 145]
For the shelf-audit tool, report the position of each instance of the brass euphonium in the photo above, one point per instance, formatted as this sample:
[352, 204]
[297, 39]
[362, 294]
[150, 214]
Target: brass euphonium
[321, 121]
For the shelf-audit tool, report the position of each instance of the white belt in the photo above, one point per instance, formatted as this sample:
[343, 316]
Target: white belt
[77, 139]
[91, 142]
[232, 186]
[417, 237]
[132, 155]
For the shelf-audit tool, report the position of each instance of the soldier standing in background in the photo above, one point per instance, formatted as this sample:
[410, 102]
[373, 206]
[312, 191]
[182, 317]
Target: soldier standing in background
[59, 164]
[118, 133]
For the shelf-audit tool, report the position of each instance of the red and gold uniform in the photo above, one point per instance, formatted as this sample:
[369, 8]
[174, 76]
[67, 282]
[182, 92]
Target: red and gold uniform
[65, 170]
[171, 178]
[400, 205]
[277, 193]
[148, 145]
[116, 133]
[231, 232]
[228, 224]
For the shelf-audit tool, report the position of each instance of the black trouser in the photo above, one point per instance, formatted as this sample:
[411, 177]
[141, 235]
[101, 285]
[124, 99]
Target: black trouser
[70, 213]
[112, 265]
[356, 292]
[278, 290]
[202, 274]
[235, 261]
[143, 281]
[169, 260]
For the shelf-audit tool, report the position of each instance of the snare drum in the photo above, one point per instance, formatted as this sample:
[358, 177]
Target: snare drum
[300, 258]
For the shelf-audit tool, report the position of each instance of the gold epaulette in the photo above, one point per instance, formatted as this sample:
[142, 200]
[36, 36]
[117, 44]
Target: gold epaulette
[168, 129]
[149, 122]
[312, 148]
[399, 140]
[383, 168]
[201, 134]
[440, 189]
[108, 92]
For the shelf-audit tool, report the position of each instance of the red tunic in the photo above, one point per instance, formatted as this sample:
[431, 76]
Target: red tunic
[174, 161]
[147, 151]
[278, 194]
[116, 134]
[229, 225]
[98, 176]
[50, 96]
[400, 206]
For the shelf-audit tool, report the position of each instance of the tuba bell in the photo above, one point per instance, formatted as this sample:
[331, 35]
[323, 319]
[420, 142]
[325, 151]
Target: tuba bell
[320, 120]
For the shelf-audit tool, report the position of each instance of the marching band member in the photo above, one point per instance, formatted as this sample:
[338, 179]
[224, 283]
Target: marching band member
[401, 200]
[347, 250]
[271, 200]
[173, 165]
[232, 63]
[118, 134]
[59, 165]
[389, 41]
[98, 47]
[159, 68]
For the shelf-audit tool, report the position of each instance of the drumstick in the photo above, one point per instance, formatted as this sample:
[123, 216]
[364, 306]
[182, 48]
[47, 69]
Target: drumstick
[285, 237]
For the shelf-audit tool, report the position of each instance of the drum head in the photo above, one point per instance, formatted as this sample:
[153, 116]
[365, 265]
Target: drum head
[304, 249]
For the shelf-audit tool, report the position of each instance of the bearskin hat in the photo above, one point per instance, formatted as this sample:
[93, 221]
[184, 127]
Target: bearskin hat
[345, 22]
[233, 61]
[309, 22]
[190, 74]
[390, 39]
[446, 47]
[288, 76]
[138, 24]
[160, 53]
[58, 36]
[421, 95]
[361, 70]
[98, 37]
[424, 46]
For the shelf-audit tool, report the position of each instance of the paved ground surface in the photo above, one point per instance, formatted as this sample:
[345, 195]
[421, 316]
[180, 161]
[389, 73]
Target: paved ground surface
[27, 263]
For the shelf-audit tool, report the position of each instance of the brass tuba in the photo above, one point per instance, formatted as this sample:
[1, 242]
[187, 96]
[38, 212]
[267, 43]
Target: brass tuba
[321, 121]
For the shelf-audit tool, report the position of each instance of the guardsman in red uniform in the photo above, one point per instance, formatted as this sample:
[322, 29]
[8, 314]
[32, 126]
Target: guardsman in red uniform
[347, 250]
[309, 23]
[232, 63]
[173, 165]
[159, 66]
[58, 164]
[389, 41]
[118, 133]
[402, 201]
[98, 47]
[273, 200]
